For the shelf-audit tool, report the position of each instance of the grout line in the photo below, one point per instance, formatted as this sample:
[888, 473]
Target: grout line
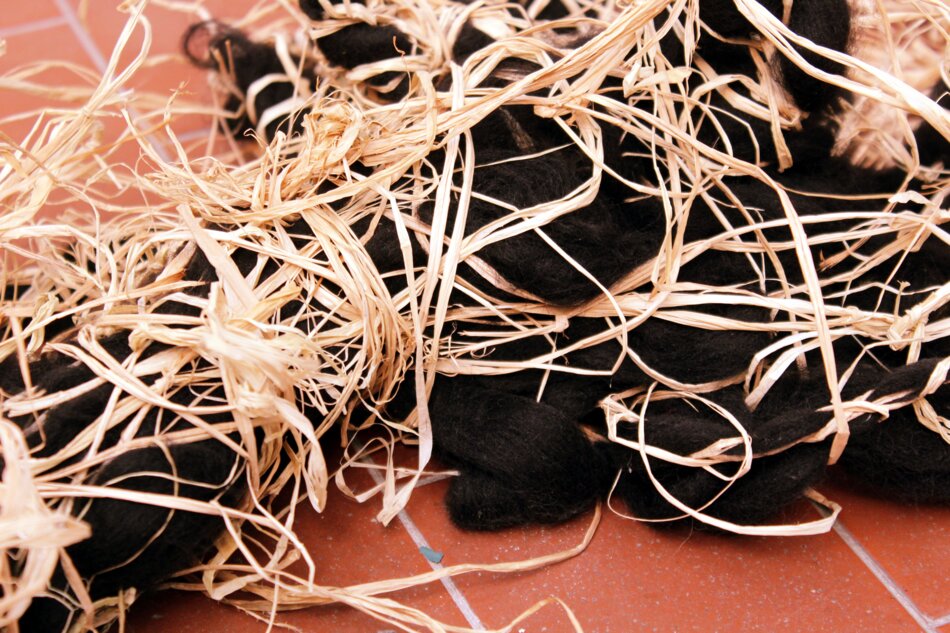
[420, 540]
[85, 40]
[32, 27]
[926, 624]
[99, 60]
[193, 135]
[941, 621]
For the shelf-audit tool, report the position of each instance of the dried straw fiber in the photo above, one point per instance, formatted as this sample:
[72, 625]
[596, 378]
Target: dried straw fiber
[578, 252]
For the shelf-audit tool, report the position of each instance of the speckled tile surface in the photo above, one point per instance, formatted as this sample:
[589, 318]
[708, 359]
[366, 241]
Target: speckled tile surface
[634, 577]
[909, 542]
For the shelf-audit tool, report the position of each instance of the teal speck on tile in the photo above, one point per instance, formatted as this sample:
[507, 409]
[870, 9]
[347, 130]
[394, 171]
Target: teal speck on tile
[431, 555]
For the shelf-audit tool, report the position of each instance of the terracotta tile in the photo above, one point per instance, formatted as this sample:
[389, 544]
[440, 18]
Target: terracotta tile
[188, 613]
[166, 73]
[162, 75]
[16, 13]
[908, 541]
[168, 24]
[348, 547]
[19, 111]
[168, 69]
[23, 50]
[633, 577]
[56, 47]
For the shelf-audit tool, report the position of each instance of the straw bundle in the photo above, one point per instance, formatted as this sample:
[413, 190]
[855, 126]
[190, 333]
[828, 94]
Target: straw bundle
[249, 313]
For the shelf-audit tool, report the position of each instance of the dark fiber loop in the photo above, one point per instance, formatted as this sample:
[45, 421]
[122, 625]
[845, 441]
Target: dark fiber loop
[216, 46]
[312, 9]
[612, 235]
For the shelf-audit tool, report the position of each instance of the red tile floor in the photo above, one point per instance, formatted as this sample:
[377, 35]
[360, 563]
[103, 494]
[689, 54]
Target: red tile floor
[883, 568]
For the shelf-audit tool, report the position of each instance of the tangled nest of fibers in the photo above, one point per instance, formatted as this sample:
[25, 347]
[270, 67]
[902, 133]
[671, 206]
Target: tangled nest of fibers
[671, 255]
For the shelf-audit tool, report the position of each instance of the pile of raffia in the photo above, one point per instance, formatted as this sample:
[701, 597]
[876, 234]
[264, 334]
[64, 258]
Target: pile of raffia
[119, 231]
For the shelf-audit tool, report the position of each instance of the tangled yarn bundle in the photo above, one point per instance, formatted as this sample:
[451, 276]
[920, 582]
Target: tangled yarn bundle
[576, 252]
[487, 426]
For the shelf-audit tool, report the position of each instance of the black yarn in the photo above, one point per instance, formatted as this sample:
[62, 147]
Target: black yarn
[610, 236]
[361, 43]
[54, 326]
[825, 23]
[723, 17]
[772, 483]
[787, 414]
[486, 434]
[134, 545]
[211, 44]
[469, 40]
[933, 147]
[138, 545]
[312, 9]
[900, 456]
[604, 238]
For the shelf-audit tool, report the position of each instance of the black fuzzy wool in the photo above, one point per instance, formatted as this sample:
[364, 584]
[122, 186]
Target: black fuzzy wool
[145, 544]
[611, 236]
[790, 412]
[215, 45]
[487, 434]
[608, 238]
[134, 545]
[722, 43]
[900, 456]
